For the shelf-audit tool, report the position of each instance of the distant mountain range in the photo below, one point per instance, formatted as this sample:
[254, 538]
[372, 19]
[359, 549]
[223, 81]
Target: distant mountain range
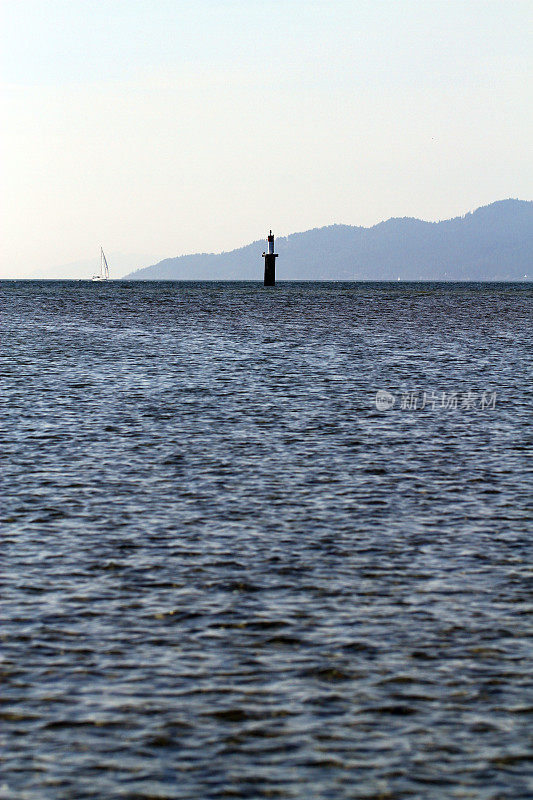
[493, 243]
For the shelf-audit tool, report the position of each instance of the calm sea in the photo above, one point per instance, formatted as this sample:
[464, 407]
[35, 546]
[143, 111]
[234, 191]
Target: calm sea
[226, 573]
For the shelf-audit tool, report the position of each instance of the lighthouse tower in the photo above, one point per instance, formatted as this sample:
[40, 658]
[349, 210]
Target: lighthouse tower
[270, 262]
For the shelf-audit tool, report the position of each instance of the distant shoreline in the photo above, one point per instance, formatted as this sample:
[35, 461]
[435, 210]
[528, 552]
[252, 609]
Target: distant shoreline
[493, 243]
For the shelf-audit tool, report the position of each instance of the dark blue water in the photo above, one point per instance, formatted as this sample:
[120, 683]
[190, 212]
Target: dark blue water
[227, 574]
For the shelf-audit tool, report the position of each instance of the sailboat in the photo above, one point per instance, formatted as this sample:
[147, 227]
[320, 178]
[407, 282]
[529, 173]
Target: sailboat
[104, 269]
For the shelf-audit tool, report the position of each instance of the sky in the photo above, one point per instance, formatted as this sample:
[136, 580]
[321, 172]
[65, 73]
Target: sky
[161, 127]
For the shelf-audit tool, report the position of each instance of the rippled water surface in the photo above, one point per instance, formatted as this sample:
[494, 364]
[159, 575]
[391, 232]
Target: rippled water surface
[226, 573]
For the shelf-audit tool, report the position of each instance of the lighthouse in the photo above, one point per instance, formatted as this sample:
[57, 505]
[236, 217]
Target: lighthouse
[270, 262]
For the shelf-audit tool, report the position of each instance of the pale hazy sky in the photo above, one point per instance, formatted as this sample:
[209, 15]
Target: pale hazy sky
[162, 127]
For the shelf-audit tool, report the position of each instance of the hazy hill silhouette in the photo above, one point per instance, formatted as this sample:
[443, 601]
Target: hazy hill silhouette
[493, 243]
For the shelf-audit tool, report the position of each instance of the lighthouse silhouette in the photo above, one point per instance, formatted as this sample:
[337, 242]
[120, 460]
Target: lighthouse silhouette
[270, 262]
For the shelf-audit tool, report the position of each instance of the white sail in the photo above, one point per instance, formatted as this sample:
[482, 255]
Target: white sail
[104, 269]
